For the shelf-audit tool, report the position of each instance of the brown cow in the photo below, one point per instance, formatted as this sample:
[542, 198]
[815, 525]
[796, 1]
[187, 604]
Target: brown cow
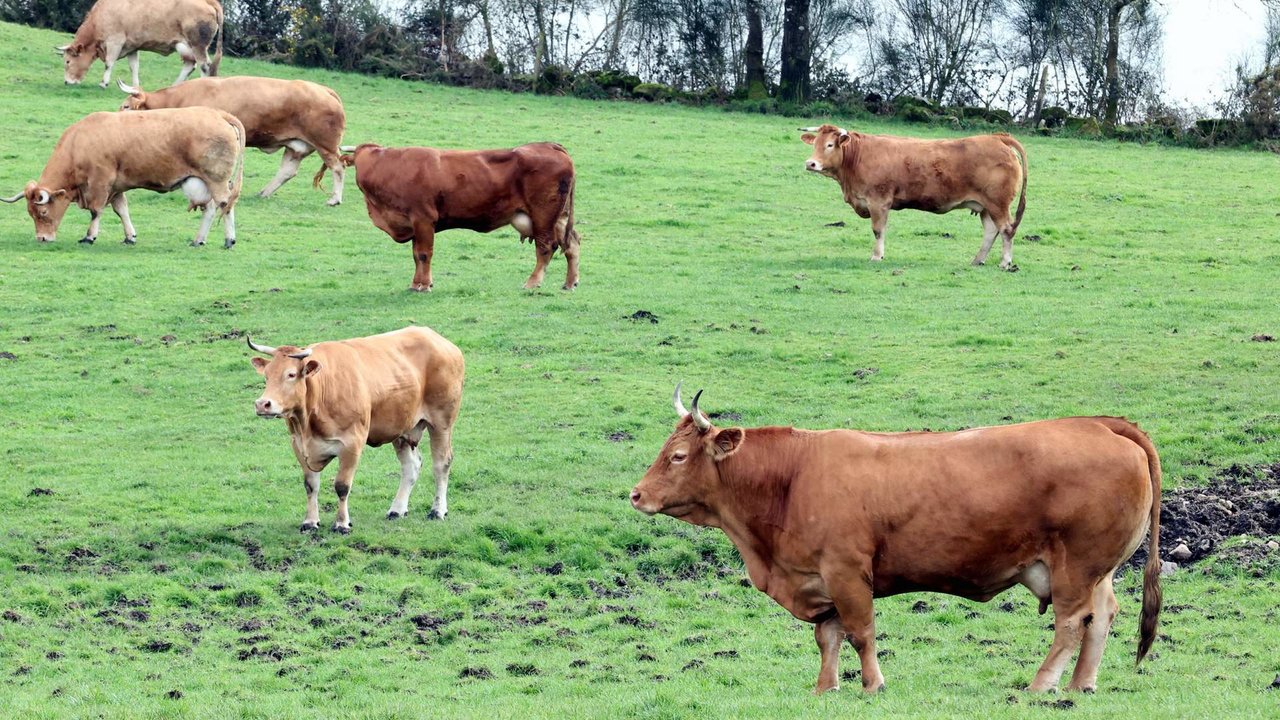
[827, 520]
[337, 397]
[414, 192]
[120, 28]
[879, 173]
[200, 150]
[302, 117]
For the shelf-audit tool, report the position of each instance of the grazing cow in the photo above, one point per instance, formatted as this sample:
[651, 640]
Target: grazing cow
[827, 520]
[414, 192]
[337, 397]
[120, 28]
[200, 150]
[879, 173]
[300, 116]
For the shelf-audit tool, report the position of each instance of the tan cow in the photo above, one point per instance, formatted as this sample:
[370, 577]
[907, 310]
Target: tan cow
[120, 28]
[200, 150]
[301, 117]
[879, 173]
[337, 397]
[827, 520]
[414, 192]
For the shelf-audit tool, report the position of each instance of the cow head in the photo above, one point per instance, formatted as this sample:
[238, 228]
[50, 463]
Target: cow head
[76, 59]
[683, 481]
[285, 371]
[137, 99]
[45, 206]
[829, 146]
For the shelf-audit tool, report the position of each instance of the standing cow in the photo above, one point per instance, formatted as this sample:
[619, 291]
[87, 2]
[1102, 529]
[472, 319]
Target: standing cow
[413, 192]
[827, 520]
[120, 28]
[302, 117]
[337, 397]
[879, 173]
[200, 150]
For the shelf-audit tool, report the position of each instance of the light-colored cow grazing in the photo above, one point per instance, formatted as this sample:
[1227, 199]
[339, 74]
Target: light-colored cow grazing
[879, 173]
[301, 117]
[827, 520]
[337, 397]
[414, 192]
[120, 28]
[98, 159]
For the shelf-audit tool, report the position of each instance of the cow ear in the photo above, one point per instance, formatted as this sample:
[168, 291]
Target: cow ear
[808, 138]
[58, 193]
[311, 368]
[844, 139]
[727, 442]
[260, 365]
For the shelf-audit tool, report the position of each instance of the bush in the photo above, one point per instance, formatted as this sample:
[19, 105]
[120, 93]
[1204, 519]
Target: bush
[1054, 116]
[1087, 127]
[652, 91]
[1220, 131]
[587, 89]
[553, 80]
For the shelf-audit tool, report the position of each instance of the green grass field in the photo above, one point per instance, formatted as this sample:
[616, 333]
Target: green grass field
[165, 577]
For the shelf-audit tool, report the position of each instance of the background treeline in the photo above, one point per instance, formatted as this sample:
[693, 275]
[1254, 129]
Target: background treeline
[1087, 67]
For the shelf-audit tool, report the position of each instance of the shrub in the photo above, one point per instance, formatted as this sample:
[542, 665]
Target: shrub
[586, 88]
[652, 91]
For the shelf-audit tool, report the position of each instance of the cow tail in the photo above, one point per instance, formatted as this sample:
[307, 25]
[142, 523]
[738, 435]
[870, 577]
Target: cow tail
[346, 160]
[1022, 195]
[237, 176]
[217, 53]
[568, 207]
[1152, 596]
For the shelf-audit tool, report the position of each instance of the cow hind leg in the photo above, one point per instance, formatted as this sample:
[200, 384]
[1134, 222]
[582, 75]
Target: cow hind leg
[989, 232]
[1085, 677]
[133, 67]
[544, 252]
[441, 461]
[830, 635]
[570, 246]
[1072, 611]
[198, 195]
[289, 165]
[188, 61]
[333, 162]
[424, 245]
[410, 466]
[121, 206]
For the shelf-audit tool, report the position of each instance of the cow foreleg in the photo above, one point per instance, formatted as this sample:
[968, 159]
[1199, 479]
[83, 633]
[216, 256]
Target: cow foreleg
[879, 219]
[311, 483]
[348, 459]
[95, 219]
[424, 243]
[829, 635]
[989, 232]
[852, 596]
[288, 170]
[133, 67]
[188, 61]
[229, 228]
[441, 461]
[110, 54]
[410, 465]
[121, 206]
[545, 251]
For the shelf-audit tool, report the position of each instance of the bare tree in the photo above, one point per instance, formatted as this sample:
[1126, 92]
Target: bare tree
[941, 41]
[793, 85]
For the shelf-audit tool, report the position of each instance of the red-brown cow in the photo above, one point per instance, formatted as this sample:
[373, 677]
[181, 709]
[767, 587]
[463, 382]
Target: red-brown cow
[879, 173]
[827, 520]
[414, 192]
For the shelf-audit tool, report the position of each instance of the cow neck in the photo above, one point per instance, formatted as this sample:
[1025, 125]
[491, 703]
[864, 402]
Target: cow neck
[756, 482]
[87, 33]
[58, 174]
[852, 153]
[302, 421]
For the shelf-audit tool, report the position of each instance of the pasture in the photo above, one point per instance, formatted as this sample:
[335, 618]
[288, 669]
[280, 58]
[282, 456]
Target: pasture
[150, 562]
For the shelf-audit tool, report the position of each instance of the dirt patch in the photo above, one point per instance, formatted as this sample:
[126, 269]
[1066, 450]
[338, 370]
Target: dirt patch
[1263, 337]
[80, 553]
[620, 436]
[273, 653]
[479, 673]
[641, 316]
[1240, 501]
[428, 622]
[1063, 704]
[554, 569]
[6, 355]
[725, 654]
[838, 223]
[522, 669]
[634, 621]
[36, 492]
[158, 646]
[864, 373]
[11, 616]
[174, 694]
[725, 415]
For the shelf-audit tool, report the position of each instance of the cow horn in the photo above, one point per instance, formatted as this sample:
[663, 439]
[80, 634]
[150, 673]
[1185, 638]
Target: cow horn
[301, 355]
[128, 88]
[43, 198]
[680, 409]
[346, 148]
[264, 349]
[809, 129]
[60, 48]
[14, 199]
[843, 132]
[698, 418]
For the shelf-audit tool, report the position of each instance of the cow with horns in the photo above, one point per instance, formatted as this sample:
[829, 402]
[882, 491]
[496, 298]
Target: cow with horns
[120, 28]
[199, 149]
[337, 397]
[879, 173]
[827, 520]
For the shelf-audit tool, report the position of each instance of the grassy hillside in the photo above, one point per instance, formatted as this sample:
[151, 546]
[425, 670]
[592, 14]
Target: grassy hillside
[165, 577]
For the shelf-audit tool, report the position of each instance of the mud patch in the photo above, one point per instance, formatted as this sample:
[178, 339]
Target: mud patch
[725, 415]
[158, 646]
[273, 653]
[1240, 501]
[522, 669]
[620, 436]
[478, 673]
[1263, 337]
[642, 316]
[174, 694]
[6, 355]
[36, 492]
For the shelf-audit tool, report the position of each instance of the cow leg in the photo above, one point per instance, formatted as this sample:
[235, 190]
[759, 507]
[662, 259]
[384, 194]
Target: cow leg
[1085, 677]
[348, 459]
[188, 61]
[133, 66]
[95, 199]
[879, 218]
[311, 483]
[333, 162]
[410, 465]
[544, 251]
[229, 228]
[853, 603]
[121, 206]
[424, 244]
[570, 246]
[288, 170]
[830, 635]
[989, 232]
[1072, 610]
[110, 54]
[206, 222]
[441, 461]
[1006, 255]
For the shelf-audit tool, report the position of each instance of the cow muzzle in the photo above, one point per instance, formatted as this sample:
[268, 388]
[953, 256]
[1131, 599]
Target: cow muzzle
[266, 408]
[638, 501]
[813, 166]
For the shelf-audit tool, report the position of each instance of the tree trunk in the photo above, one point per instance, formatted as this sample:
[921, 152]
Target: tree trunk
[540, 44]
[1113, 57]
[753, 54]
[615, 42]
[1039, 105]
[793, 85]
[490, 51]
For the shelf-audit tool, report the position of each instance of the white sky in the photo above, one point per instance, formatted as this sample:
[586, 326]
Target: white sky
[1203, 41]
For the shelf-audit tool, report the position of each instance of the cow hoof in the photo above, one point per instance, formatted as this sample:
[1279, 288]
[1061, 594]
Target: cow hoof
[419, 287]
[333, 203]
[103, 84]
[86, 240]
[570, 288]
[229, 243]
[131, 240]
[197, 243]
[1009, 268]
[393, 515]
[435, 515]
[978, 263]
[342, 529]
[309, 526]
[877, 259]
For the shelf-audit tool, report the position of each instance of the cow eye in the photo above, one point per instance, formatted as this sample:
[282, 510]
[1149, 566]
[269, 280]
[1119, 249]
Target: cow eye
[291, 375]
[678, 457]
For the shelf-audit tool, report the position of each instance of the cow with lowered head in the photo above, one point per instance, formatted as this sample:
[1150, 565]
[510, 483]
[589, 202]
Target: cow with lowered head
[337, 397]
[827, 520]
[120, 28]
